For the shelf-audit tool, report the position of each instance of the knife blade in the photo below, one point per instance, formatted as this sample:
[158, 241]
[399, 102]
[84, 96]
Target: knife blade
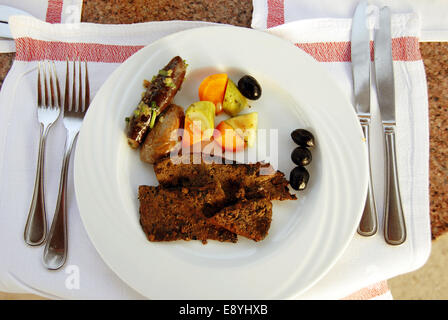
[5, 13]
[394, 223]
[360, 55]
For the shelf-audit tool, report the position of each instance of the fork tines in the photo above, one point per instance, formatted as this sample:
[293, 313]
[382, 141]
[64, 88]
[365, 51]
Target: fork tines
[78, 102]
[50, 97]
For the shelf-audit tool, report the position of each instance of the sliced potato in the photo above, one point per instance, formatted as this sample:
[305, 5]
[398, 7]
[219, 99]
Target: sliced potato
[234, 101]
[247, 124]
[204, 112]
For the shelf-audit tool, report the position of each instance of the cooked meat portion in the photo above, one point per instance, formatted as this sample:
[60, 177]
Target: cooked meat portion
[239, 181]
[248, 218]
[158, 96]
[168, 214]
[202, 197]
[163, 137]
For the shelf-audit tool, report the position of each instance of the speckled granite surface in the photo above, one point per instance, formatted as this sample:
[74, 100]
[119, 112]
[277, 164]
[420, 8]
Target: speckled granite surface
[435, 56]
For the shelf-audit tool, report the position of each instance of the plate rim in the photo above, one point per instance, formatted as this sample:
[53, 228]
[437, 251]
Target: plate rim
[202, 29]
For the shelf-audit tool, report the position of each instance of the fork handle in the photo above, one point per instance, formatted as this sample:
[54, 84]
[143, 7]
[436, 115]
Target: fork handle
[55, 252]
[36, 225]
[368, 225]
[394, 224]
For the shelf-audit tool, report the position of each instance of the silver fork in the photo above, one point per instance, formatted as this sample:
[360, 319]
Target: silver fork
[48, 110]
[55, 252]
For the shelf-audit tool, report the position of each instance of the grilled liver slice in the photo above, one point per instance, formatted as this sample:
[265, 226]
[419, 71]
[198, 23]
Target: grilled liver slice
[248, 218]
[239, 181]
[180, 213]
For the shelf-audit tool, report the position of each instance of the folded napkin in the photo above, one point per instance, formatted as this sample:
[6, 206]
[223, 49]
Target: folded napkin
[52, 11]
[85, 276]
[105, 47]
[434, 25]
[328, 41]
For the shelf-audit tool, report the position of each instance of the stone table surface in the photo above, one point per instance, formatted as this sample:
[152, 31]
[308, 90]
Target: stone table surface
[239, 13]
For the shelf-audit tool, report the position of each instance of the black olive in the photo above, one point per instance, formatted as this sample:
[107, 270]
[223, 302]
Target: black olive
[298, 179]
[301, 156]
[249, 87]
[303, 138]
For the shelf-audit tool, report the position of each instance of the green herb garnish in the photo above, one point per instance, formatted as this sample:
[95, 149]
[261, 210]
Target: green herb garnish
[144, 108]
[163, 73]
[169, 82]
[153, 119]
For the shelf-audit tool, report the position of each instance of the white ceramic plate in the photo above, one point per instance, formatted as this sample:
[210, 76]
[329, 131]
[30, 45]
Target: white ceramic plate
[306, 237]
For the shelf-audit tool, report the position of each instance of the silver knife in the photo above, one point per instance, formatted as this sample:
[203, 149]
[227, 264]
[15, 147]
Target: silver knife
[394, 224]
[360, 54]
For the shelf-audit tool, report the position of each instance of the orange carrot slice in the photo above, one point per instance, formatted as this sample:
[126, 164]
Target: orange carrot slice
[213, 88]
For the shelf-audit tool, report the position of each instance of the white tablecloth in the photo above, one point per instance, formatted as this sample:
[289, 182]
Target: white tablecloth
[85, 276]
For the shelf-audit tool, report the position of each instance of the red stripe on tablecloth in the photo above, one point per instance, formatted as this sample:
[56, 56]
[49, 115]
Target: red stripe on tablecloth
[370, 292]
[28, 49]
[54, 11]
[276, 13]
[403, 49]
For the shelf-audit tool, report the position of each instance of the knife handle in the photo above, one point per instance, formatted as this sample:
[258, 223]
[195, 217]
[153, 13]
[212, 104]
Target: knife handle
[394, 224]
[368, 225]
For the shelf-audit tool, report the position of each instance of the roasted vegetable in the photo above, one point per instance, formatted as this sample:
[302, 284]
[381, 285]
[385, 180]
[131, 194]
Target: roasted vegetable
[159, 94]
[247, 124]
[234, 101]
[213, 88]
[228, 138]
[199, 122]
